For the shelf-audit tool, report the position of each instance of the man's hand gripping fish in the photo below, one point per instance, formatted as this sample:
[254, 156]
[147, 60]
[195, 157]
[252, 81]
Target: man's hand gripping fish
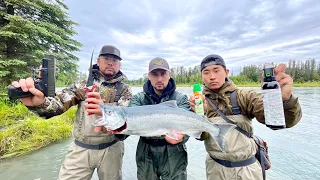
[162, 119]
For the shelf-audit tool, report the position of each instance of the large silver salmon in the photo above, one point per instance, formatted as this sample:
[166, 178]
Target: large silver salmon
[162, 119]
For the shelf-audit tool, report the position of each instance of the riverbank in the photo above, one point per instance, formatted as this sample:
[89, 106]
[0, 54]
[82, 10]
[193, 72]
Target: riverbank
[21, 131]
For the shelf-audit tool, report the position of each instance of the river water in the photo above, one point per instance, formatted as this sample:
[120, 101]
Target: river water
[294, 152]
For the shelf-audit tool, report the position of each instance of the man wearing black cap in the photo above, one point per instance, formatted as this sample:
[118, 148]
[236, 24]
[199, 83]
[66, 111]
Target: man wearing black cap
[161, 157]
[240, 107]
[90, 150]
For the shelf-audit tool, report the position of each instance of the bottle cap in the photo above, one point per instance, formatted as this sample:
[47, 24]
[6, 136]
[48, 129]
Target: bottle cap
[197, 88]
[268, 73]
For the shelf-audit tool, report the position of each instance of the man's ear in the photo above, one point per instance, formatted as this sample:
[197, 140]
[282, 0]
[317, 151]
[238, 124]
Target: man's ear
[227, 72]
[98, 61]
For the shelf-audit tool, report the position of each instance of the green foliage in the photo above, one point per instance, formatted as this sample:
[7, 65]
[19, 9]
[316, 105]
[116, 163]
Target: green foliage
[252, 73]
[241, 79]
[307, 71]
[30, 29]
[21, 131]
[301, 72]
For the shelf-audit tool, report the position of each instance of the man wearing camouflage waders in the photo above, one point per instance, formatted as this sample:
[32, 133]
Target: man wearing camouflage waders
[90, 150]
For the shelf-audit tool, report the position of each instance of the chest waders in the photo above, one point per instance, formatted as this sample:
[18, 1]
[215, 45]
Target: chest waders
[103, 145]
[261, 154]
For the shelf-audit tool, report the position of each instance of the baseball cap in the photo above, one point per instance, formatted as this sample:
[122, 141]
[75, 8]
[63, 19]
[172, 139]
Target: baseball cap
[211, 60]
[108, 49]
[158, 63]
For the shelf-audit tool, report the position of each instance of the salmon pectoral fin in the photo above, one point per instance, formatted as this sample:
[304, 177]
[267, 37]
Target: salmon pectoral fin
[195, 134]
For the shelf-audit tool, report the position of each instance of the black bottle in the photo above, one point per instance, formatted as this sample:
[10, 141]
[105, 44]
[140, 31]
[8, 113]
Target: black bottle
[272, 99]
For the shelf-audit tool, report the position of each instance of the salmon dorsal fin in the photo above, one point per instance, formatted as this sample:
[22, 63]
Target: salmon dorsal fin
[171, 103]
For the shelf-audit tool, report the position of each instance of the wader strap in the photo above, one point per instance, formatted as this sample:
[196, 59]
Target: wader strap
[118, 87]
[234, 103]
[96, 147]
[231, 164]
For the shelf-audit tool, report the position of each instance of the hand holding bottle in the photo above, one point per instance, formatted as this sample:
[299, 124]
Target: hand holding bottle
[197, 101]
[273, 96]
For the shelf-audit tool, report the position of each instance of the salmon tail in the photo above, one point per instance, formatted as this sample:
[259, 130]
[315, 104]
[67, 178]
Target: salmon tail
[219, 136]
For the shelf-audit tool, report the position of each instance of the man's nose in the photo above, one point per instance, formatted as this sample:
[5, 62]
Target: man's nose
[212, 76]
[159, 78]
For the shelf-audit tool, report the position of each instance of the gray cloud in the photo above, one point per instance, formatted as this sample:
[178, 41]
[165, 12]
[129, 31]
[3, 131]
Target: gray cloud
[244, 32]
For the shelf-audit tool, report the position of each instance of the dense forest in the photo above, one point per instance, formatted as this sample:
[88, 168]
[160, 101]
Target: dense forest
[300, 71]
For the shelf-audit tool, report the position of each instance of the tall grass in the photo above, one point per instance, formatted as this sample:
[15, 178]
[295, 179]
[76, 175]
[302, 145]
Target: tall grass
[307, 84]
[21, 131]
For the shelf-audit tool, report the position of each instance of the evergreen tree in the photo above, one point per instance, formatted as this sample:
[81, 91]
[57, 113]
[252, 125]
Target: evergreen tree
[28, 30]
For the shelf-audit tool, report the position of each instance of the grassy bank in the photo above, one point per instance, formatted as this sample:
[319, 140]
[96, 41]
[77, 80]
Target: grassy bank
[307, 84]
[22, 132]
[295, 84]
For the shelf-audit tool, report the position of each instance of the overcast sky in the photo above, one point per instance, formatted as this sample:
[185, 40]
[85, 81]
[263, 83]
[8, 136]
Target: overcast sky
[183, 32]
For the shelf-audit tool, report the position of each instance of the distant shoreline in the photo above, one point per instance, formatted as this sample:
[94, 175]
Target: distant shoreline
[306, 84]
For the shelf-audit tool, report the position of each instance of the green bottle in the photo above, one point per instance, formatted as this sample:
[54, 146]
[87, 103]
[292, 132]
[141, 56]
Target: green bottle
[198, 102]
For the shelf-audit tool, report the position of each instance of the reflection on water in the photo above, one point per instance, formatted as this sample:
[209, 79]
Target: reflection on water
[293, 152]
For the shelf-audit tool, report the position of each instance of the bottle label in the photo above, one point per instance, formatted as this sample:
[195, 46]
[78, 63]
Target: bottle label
[198, 106]
[273, 107]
